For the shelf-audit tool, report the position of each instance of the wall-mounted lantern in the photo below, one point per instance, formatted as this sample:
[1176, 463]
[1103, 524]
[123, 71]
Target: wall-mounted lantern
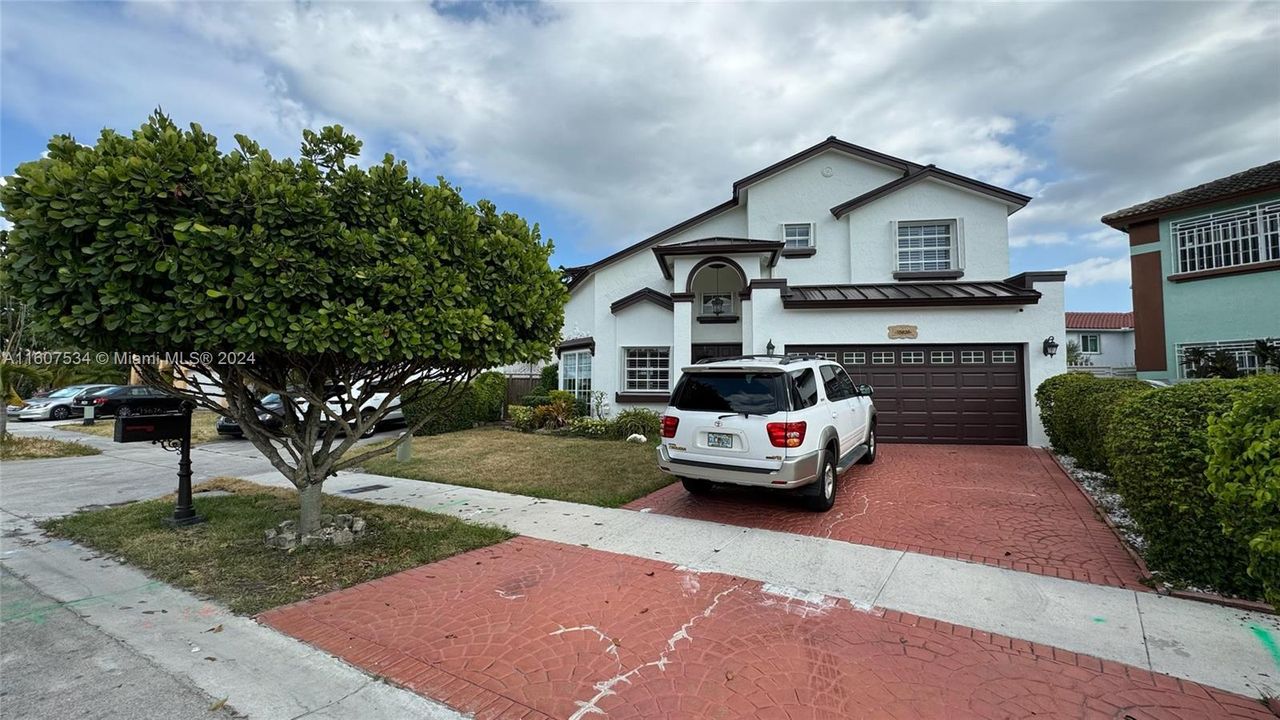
[768, 349]
[1050, 346]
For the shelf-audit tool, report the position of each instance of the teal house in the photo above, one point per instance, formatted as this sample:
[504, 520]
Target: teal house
[1206, 271]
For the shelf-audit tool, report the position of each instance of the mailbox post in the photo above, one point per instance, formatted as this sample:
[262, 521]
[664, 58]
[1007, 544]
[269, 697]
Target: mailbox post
[171, 432]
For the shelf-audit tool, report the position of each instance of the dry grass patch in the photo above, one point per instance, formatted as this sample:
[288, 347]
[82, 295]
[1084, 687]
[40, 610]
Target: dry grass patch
[227, 559]
[202, 427]
[13, 447]
[608, 473]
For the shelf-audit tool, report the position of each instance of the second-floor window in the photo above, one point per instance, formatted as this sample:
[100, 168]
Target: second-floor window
[1243, 236]
[1091, 343]
[926, 246]
[798, 235]
[717, 303]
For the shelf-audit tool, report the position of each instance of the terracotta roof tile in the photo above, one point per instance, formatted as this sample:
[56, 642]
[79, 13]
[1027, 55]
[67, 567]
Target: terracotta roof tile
[1099, 320]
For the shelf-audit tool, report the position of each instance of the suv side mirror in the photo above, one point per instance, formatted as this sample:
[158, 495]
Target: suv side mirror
[866, 390]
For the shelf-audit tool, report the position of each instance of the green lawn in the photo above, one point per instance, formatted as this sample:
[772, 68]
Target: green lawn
[608, 473]
[227, 559]
[202, 427]
[13, 447]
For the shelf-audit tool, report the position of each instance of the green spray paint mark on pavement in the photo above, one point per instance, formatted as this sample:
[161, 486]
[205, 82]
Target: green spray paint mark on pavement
[38, 612]
[1099, 619]
[1268, 642]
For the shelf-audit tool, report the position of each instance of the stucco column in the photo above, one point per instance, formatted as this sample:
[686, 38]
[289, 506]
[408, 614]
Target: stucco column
[681, 338]
[748, 330]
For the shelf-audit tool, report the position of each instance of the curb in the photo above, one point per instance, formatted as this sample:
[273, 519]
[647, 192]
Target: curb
[1161, 588]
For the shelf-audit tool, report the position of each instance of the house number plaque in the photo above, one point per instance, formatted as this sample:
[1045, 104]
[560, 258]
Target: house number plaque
[903, 332]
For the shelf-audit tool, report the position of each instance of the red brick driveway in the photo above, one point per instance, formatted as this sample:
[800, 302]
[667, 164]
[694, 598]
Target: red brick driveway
[1000, 505]
[533, 629]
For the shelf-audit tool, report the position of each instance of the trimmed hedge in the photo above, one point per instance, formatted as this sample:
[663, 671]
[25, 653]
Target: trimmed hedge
[481, 401]
[640, 421]
[1244, 478]
[1077, 410]
[1157, 449]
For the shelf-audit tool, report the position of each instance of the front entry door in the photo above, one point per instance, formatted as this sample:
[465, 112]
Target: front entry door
[715, 350]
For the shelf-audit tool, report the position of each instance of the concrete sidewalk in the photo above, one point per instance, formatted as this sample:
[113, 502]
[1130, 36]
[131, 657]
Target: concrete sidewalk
[198, 646]
[1212, 645]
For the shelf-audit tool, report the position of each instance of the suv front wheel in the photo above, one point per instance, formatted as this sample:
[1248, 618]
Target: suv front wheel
[821, 493]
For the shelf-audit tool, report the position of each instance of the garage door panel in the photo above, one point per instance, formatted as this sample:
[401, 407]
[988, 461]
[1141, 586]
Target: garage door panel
[940, 393]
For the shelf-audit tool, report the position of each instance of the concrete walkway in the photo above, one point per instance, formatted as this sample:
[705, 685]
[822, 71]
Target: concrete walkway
[1212, 645]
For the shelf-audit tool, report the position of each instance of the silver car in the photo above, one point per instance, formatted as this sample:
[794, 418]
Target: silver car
[57, 404]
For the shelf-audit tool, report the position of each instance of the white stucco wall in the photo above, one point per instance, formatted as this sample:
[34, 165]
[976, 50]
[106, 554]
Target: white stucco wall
[1116, 347]
[983, 229]
[803, 194]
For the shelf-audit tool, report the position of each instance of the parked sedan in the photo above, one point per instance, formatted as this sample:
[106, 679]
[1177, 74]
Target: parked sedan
[269, 412]
[57, 405]
[129, 400]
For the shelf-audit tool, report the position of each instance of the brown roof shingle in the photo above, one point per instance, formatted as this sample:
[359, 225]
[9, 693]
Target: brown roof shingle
[1258, 179]
[908, 294]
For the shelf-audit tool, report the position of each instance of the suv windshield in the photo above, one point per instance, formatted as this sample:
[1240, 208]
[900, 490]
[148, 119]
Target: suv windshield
[730, 392]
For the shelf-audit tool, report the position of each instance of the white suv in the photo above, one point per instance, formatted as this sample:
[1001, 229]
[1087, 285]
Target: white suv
[785, 422]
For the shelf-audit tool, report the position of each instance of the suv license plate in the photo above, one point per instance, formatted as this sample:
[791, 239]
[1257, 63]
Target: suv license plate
[719, 440]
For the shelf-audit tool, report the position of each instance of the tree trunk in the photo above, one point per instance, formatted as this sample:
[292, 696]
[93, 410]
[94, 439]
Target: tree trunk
[310, 497]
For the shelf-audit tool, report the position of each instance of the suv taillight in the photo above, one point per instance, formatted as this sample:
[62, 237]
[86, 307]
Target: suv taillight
[786, 434]
[669, 425]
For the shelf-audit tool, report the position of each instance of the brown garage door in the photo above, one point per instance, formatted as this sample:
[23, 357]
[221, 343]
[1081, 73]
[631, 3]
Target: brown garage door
[939, 393]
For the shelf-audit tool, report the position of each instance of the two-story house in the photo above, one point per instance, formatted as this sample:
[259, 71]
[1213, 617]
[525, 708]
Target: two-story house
[1206, 270]
[897, 270]
[1103, 341]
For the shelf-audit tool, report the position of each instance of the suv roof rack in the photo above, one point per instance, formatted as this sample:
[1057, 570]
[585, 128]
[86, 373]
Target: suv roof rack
[782, 359]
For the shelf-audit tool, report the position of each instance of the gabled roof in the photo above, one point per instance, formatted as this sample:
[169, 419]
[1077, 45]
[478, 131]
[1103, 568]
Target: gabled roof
[1100, 321]
[717, 246]
[1254, 180]
[644, 294]
[1015, 200]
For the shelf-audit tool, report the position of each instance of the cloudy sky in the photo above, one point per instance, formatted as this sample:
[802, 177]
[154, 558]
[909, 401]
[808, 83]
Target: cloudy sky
[608, 122]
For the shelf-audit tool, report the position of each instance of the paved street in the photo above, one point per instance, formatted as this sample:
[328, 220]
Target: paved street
[628, 610]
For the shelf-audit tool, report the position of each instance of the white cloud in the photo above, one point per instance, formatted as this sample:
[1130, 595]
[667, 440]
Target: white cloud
[1098, 270]
[634, 116]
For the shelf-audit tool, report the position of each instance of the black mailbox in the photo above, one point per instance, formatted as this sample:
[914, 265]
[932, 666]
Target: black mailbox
[145, 428]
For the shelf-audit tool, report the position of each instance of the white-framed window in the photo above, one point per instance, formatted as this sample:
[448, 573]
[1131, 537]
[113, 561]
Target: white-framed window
[1090, 343]
[1247, 362]
[926, 246]
[912, 357]
[1243, 236]
[717, 303]
[972, 357]
[882, 357]
[646, 369]
[941, 357]
[855, 358]
[797, 235]
[1004, 357]
[575, 374]
[826, 356]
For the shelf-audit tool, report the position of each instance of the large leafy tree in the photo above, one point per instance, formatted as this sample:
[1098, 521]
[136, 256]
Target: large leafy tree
[349, 286]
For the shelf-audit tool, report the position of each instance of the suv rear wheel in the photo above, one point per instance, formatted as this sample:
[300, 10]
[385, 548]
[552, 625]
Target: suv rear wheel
[695, 486]
[820, 495]
[870, 455]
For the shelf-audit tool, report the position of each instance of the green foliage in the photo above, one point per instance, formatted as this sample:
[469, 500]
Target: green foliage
[638, 421]
[1158, 449]
[1080, 410]
[593, 428]
[159, 241]
[549, 379]
[1244, 478]
[462, 409]
[1075, 357]
[521, 418]
[1205, 363]
[555, 414]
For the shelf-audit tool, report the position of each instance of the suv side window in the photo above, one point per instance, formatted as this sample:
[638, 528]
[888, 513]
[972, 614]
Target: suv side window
[805, 387]
[836, 390]
[850, 389]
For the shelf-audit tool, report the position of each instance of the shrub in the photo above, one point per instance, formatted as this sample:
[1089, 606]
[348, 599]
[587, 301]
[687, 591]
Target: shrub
[1244, 478]
[557, 413]
[638, 420]
[593, 427]
[1048, 397]
[1157, 450]
[535, 398]
[1082, 409]
[481, 401]
[521, 418]
[549, 379]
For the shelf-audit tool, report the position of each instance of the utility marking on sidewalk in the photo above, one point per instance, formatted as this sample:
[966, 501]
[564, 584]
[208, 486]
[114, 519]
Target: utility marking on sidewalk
[38, 613]
[1268, 642]
[1099, 619]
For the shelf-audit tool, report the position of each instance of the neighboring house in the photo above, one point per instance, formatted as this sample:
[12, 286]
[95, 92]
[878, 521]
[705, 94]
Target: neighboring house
[1105, 340]
[899, 271]
[1206, 270]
